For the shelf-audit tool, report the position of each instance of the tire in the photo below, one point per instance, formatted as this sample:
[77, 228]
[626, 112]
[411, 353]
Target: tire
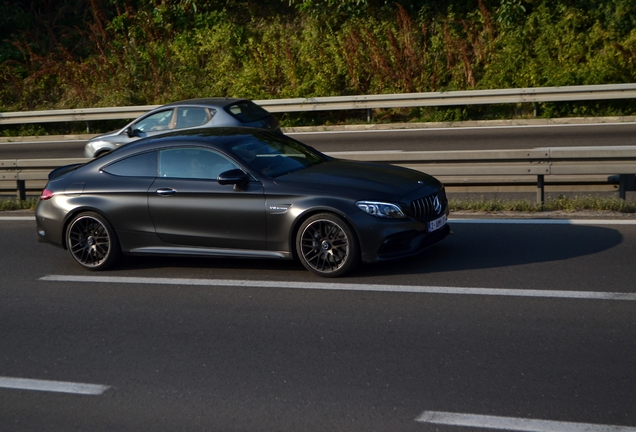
[326, 245]
[92, 242]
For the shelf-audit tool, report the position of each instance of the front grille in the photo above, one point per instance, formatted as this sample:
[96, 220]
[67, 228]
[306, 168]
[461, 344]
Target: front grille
[425, 208]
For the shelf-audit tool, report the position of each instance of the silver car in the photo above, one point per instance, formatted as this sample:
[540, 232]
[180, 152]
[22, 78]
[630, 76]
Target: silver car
[188, 114]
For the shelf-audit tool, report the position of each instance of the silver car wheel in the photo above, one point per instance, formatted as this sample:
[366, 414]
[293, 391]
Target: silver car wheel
[326, 245]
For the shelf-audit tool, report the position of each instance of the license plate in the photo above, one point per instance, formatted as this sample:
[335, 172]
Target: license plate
[437, 224]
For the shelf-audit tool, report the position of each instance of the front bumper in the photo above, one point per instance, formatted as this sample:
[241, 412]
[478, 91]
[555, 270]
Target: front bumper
[410, 243]
[387, 239]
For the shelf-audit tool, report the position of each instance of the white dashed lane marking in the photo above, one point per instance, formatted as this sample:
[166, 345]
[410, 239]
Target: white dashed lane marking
[52, 386]
[589, 295]
[513, 423]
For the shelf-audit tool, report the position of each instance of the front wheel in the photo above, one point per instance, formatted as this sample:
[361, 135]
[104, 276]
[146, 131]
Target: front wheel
[92, 242]
[327, 246]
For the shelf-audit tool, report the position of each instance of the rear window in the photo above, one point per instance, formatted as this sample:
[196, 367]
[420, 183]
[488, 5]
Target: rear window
[141, 165]
[246, 111]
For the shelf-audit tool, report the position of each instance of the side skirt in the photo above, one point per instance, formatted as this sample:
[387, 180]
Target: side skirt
[209, 252]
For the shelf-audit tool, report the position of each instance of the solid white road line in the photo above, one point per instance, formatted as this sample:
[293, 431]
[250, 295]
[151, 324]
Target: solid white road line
[52, 386]
[590, 295]
[514, 424]
[17, 218]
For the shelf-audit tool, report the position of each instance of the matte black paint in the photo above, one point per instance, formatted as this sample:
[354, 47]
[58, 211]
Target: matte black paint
[155, 215]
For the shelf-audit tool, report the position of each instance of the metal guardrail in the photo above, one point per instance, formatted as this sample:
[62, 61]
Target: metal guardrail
[468, 97]
[559, 165]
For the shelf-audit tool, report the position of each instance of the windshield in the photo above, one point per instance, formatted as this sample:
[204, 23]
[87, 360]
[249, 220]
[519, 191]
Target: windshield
[275, 155]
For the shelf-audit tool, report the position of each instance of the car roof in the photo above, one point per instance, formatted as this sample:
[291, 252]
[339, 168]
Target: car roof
[189, 136]
[213, 102]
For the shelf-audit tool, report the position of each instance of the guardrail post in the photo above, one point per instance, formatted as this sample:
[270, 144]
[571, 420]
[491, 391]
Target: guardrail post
[540, 189]
[21, 189]
[627, 182]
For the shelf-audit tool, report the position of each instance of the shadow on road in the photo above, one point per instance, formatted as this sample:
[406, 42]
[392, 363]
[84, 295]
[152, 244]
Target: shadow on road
[484, 246]
[472, 247]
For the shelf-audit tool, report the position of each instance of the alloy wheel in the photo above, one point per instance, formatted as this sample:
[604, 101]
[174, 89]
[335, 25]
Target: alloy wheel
[326, 246]
[91, 242]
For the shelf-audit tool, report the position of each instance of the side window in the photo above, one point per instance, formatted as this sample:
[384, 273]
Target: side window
[155, 122]
[191, 117]
[141, 165]
[193, 163]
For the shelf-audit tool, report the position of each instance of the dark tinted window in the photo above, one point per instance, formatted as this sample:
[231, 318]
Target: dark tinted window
[194, 163]
[141, 165]
[274, 155]
[247, 111]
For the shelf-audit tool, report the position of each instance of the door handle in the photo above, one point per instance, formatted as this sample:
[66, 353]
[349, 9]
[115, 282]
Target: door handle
[166, 191]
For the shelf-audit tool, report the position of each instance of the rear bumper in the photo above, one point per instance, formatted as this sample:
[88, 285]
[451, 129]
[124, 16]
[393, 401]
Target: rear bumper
[49, 220]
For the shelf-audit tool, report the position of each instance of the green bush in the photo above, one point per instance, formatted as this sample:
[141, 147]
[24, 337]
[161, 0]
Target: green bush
[146, 52]
[14, 204]
[559, 203]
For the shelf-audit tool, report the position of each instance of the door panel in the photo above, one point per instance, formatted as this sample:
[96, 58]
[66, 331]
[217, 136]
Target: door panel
[190, 208]
[204, 213]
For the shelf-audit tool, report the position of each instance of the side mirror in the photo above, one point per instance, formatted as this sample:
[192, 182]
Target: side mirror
[234, 177]
[130, 132]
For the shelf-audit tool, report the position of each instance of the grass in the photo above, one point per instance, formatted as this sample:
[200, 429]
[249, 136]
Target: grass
[559, 203]
[8, 204]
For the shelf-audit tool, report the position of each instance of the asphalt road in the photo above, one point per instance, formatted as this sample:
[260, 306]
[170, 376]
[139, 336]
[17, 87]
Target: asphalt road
[481, 334]
[477, 138]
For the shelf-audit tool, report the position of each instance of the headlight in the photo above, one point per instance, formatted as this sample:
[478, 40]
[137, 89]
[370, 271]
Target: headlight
[381, 209]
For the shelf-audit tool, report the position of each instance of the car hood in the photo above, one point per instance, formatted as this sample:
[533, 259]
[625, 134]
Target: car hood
[360, 180]
[109, 136]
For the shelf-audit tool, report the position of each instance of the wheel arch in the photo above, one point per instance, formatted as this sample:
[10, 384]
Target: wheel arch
[73, 213]
[102, 152]
[311, 212]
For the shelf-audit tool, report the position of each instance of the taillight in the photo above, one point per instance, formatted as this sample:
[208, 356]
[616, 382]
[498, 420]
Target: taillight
[46, 194]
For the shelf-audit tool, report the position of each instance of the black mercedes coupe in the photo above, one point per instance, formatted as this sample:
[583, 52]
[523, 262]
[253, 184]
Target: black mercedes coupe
[239, 192]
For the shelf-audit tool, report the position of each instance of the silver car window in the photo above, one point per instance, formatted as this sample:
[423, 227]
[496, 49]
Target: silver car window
[156, 122]
[188, 117]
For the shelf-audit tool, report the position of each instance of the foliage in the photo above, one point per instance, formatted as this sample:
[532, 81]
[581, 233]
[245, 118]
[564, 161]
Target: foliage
[559, 203]
[90, 53]
[14, 204]
[559, 47]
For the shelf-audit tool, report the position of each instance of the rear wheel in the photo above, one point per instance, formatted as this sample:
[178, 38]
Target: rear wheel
[92, 242]
[327, 246]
